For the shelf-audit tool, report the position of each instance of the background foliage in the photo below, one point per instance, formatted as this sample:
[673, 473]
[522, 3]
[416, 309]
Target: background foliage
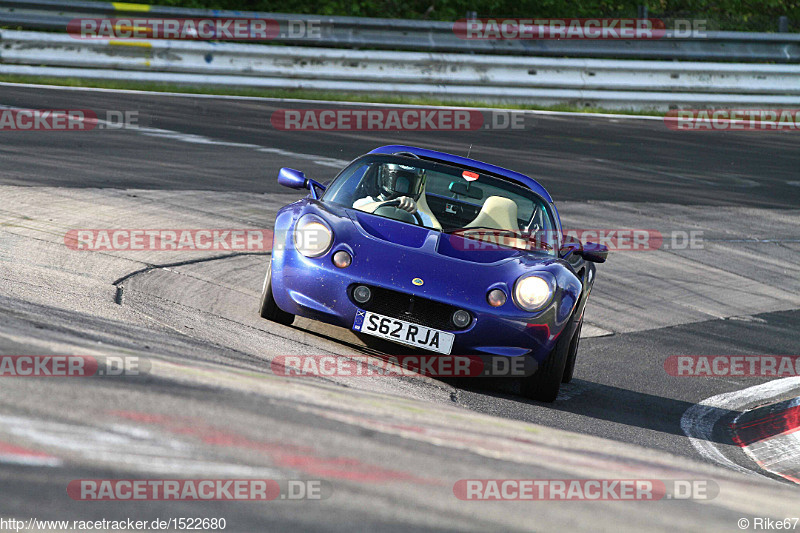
[752, 15]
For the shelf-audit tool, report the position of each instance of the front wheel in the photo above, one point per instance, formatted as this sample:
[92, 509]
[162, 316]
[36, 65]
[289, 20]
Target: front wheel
[269, 309]
[543, 386]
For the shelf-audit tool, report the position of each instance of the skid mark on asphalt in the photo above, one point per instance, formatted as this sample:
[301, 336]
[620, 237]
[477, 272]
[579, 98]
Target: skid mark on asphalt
[119, 446]
[508, 447]
[283, 455]
[13, 454]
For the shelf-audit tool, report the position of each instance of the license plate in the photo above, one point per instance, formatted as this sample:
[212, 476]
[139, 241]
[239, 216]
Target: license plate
[404, 332]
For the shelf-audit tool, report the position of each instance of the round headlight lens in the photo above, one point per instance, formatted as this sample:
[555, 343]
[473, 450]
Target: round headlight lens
[496, 297]
[532, 292]
[312, 237]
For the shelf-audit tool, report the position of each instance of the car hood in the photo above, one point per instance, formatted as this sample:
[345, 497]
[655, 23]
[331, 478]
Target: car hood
[427, 263]
[435, 242]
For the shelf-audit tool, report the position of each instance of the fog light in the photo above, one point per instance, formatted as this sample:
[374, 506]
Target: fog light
[342, 259]
[496, 297]
[362, 294]
[461, 318]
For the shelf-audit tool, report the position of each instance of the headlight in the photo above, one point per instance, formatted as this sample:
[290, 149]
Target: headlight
[312, 237]
[532, 292]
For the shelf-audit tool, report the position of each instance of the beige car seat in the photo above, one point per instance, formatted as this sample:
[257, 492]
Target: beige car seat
[427, 214]
[497, 213]
[501, 214]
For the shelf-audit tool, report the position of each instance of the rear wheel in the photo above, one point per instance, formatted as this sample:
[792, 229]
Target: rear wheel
[543, 386]
[269, 309]
[569, 369]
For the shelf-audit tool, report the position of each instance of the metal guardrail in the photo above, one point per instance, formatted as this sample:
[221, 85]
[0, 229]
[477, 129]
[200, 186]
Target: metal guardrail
[540, 80]
[432, 36]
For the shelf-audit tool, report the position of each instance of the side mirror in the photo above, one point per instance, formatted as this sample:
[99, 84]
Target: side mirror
[294, 179]
[570, 246]
[596, 253]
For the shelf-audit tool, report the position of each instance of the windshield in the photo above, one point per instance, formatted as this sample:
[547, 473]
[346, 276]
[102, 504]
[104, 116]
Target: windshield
[445, 198]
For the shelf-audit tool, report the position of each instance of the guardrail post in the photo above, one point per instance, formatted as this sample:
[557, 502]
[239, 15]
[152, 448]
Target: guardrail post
[783, 24]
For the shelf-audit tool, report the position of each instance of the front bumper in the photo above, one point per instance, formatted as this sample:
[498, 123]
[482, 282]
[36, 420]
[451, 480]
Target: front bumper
[316, 289]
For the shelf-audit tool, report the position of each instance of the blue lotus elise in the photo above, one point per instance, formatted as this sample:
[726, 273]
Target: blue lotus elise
[437, 252]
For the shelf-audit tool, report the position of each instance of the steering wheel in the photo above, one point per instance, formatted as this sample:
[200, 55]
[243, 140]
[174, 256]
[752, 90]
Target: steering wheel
[395, 203]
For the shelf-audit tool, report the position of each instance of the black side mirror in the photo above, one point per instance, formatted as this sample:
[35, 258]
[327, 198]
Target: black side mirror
[596, 253]
[569, 246]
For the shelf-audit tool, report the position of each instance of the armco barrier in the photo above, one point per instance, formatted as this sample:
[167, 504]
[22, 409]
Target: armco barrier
[607, 83]
[432, 36]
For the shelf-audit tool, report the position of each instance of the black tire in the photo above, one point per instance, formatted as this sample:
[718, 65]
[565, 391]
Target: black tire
[569, 368]
[269, 309]
[543, 386]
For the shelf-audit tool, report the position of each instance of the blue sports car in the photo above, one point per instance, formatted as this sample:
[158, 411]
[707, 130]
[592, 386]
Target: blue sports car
[438, 252]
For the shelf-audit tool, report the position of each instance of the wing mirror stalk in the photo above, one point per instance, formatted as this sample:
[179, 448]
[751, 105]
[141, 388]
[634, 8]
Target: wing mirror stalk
[295, 179]
[590, 251]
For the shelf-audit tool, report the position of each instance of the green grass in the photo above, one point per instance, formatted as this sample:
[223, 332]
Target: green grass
[302, 94]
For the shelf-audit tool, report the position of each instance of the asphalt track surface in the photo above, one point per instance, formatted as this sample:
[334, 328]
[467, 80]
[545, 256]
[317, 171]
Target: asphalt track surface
[212, 162]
